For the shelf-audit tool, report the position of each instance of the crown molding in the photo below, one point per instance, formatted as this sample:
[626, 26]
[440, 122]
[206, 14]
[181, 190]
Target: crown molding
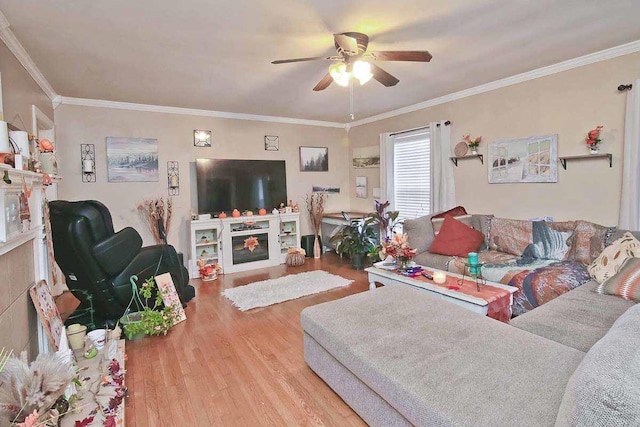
[14, 45]
[570, 64]
[64, 100]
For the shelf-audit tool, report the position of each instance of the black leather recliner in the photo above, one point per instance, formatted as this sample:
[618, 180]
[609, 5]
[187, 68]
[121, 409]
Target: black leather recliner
[97, 260]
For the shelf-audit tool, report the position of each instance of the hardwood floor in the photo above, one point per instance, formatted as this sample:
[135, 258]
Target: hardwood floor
[223, 367]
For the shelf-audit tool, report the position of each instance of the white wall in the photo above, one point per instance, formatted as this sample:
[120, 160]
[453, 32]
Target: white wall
[570, 104]
[232, 139]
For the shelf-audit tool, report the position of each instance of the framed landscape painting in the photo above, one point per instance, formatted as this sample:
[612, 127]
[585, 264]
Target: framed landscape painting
[314, 159]
[366, 157]
[132, 159]
[533, 159]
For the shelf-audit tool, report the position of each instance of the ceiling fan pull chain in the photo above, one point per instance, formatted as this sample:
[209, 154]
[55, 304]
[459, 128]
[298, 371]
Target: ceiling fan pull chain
[352, 116]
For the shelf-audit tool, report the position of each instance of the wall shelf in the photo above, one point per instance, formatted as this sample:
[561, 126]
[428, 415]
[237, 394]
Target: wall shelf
[563, 160]
[470, 156]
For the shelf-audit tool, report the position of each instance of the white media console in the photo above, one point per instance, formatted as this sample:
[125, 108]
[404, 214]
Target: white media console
[243, 243]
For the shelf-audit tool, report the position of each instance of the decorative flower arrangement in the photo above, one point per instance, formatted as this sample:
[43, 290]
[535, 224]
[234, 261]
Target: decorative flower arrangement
[398, 248]
[29, 391]
[208, 271]
[593, 139]
[472, 144]
[154, 210]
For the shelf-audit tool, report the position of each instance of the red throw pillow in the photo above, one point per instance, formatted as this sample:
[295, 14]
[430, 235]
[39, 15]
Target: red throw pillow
[456, 239]
[457, 211]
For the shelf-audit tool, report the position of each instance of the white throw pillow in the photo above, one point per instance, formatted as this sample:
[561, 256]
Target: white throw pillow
[613, 256]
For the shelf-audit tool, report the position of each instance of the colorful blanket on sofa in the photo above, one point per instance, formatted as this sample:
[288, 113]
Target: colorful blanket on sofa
[538, 280]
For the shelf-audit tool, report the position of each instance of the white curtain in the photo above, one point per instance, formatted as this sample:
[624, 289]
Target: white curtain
[630, 199]
[443, 194]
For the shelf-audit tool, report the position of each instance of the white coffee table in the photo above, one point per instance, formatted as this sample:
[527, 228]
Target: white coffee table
[478, 305]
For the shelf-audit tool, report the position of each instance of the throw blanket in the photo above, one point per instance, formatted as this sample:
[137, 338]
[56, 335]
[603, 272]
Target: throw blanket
[538, 280]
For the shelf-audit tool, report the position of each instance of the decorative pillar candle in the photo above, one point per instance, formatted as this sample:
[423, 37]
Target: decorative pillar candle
[473, 263]
[87, 166]
[440, 277]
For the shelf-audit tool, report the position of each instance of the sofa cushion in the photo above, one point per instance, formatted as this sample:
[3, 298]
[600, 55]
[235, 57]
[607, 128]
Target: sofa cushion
[605, 388]
[577, 319]
[427, 259]
[456, 239]
[510, 235]
[612, 257]
[419, 233]
[439, 364]
[625, 283]
[588, 241]
[438, 223]
[457, 211]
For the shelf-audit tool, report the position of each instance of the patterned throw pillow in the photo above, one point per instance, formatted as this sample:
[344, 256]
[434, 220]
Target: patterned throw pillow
[613, 256]
[511, 236]
[588, 241]
[547, 242]
[437, 222]
[625, 283]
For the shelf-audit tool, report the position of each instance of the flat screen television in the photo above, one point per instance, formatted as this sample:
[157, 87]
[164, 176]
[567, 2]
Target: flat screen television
[224, 185]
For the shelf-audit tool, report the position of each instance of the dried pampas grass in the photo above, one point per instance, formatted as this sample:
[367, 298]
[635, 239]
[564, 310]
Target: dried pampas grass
[25, 388]
[153, 210]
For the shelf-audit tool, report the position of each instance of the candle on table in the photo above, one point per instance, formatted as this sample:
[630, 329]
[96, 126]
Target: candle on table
[473, 263]
[440, 277]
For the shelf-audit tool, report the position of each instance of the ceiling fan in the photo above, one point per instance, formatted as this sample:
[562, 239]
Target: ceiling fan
[353, 61]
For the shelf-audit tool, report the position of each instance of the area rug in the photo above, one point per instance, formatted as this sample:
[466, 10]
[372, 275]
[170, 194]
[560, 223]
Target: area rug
[273, 291]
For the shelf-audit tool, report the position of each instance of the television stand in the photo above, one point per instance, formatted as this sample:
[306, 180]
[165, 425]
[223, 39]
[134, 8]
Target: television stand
[243, 243]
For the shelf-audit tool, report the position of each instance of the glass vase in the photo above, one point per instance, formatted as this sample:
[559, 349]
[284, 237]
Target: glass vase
[594, 149]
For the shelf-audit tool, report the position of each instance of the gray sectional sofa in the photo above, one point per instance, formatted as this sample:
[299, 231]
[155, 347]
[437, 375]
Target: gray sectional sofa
[401, 357]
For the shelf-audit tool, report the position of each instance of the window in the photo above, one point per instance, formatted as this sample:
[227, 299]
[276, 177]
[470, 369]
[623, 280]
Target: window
[409, 180]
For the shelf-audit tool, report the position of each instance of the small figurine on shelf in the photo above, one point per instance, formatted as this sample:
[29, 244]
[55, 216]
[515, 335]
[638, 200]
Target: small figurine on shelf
[235, 213]
[473, 144]
[282, 208]
[593, 140]
[222, 215]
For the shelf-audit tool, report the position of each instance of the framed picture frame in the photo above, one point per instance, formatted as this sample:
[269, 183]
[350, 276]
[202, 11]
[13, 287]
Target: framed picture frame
[361, 187]
[132, 159]
[271, 143]
[520, 160]
[202, 138]
[365, 157]
[314, 159]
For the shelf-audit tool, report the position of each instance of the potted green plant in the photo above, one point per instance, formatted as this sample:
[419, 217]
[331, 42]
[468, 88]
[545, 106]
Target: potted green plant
[150, 320]
[356, 240]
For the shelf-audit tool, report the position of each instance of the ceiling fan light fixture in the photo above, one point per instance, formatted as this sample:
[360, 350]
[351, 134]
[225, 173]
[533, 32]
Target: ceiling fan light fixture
[340, 74]
[362, 71]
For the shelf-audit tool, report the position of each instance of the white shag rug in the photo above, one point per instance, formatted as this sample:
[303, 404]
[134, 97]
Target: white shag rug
[273, 291]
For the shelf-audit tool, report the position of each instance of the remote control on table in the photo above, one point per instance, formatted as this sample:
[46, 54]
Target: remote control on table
[428, 276]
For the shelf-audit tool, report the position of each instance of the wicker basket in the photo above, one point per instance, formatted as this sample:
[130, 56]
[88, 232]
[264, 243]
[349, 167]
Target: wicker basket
[295, 260]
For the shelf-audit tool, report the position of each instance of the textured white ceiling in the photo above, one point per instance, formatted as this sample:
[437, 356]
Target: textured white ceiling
[216, 54]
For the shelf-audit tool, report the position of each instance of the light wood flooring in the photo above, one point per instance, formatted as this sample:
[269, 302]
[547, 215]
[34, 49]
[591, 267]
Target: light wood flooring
[223, 367]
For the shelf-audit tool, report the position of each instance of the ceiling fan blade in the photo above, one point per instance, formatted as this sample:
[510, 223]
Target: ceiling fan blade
[348, 44]
[314, 58]
[324, 83]
[402, 55]
[383, 77]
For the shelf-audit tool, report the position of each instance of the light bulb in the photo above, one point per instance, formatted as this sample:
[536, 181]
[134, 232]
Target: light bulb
[362, 71]
[339, 74]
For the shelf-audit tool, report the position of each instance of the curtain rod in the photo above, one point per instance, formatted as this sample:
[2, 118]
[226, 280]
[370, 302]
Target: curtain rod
[622, 88]
[447, 123]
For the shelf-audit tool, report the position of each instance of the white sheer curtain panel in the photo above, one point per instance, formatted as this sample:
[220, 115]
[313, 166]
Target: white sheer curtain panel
[630, 200]
[443, 194]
